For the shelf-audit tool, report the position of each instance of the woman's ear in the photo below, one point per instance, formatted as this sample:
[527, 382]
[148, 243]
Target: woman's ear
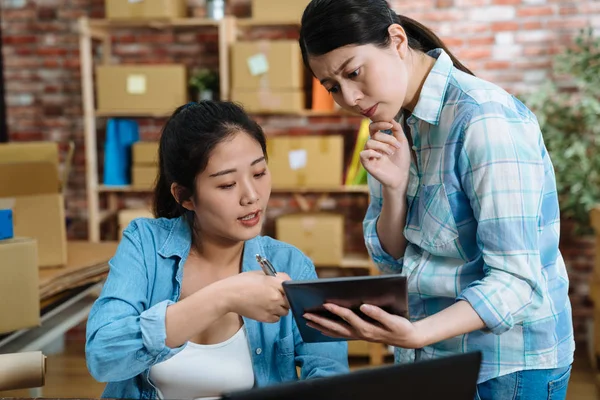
[399, 40]
[176, 193]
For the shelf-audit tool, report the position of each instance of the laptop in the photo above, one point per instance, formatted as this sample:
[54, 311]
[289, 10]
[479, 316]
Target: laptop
[449, 378]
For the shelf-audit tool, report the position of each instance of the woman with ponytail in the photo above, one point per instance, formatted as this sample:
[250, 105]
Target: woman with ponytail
[186, 311]
[463, 202]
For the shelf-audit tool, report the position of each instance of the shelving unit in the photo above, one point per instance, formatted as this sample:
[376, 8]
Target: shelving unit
[94, 30]
[98, 32]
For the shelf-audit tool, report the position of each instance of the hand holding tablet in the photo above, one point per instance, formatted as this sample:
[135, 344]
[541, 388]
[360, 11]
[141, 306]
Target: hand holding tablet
[312, 298]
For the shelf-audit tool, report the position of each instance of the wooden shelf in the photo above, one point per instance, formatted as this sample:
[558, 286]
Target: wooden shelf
[156, 24]
[133, 113]
[307, 113]
[167, 113]
[357, 261]
[340, 189]
[248, 22]
[122, 189]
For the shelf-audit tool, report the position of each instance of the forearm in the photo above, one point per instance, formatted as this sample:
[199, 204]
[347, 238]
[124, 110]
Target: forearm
[458, 319]
[391, 222]
[194, 314]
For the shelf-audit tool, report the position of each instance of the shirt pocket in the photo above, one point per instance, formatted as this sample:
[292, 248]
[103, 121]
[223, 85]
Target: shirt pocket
[437, 225]
[285, 358]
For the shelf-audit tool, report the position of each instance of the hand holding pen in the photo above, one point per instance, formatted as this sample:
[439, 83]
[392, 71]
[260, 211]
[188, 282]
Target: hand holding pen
[259, 295]
[266, 265]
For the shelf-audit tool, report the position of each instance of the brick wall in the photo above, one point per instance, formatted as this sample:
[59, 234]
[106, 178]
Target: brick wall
[510, 42]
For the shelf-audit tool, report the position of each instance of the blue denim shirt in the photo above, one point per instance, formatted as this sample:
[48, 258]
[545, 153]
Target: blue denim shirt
[126, 327]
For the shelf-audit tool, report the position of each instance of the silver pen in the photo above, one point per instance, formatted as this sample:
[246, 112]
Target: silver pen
[266, 265]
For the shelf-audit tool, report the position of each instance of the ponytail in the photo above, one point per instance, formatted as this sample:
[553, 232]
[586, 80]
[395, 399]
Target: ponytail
[423, 39]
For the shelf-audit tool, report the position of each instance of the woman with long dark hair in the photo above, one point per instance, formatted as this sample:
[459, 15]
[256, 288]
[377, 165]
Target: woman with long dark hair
[463, 202]
[186, 311]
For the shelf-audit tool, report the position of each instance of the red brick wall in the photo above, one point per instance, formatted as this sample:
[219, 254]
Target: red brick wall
[510, 42]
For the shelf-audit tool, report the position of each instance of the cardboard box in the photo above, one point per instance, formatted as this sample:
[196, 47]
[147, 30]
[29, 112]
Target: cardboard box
[25, 152]
[19, 285]
[320, 236]
[145, 153]
[306, 161]
[358, 348]
[30, 187]
[278, 10]
[290, 101]
[262, 64]
[141, 88]
[41, 217]
[28, 178]
[143, 177]
[126, 216]
[145, 9]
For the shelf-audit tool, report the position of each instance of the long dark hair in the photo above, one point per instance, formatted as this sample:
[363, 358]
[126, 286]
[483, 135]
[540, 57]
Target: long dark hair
[187, 140]
[330, 24]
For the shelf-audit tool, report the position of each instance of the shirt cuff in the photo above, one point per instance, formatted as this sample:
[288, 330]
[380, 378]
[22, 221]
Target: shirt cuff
[384, 261]
[494, 317]
[154, 331]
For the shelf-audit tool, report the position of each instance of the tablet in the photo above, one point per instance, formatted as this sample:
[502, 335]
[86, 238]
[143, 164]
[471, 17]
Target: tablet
[389, 292]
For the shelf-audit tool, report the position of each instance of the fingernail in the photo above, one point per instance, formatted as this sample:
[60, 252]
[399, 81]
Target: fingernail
[366, 308]
[306, 316]
[391, 152]
[327, 307]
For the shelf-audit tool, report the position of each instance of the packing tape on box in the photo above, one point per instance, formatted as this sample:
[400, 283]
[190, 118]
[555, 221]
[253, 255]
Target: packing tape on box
[22, 370]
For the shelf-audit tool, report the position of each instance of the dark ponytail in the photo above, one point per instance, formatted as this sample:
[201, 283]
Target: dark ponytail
[330, 24]
[187, 140]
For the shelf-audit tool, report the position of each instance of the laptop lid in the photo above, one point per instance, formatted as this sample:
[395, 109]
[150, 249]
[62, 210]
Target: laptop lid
[449, 378]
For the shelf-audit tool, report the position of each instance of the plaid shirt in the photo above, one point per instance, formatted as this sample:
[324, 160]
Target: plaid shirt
[482, 226]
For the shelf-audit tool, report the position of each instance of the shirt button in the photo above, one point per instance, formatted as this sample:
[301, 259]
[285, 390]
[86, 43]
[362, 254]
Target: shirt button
[258, 351]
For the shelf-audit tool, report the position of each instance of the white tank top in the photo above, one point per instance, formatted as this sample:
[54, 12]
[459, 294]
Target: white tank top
[205, 371]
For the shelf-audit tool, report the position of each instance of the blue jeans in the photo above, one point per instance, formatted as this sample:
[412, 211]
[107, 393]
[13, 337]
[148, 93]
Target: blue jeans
[540, 384]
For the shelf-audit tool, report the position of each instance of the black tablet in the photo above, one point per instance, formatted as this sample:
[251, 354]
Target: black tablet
[389, 292]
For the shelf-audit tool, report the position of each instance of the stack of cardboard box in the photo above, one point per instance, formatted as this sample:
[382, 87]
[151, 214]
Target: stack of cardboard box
[309, 162]
[268, 76]
[144, 170]
[32, 228]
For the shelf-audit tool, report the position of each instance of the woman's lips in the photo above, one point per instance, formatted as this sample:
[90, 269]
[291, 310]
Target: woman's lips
[369, 112]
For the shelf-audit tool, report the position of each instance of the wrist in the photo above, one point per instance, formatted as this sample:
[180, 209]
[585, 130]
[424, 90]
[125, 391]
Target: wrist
[395, 191]
[225, 296]
[422, 334]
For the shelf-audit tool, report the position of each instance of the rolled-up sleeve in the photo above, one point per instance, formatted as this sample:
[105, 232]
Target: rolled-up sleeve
[125, 337]
[384, 261]
[502, 173]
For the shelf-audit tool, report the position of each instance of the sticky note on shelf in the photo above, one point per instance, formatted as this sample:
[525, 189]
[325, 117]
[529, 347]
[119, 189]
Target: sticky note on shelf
[258, 64]
[297, 159]
[136, 84]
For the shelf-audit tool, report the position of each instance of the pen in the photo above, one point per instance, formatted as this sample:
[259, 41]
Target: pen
[266, 265]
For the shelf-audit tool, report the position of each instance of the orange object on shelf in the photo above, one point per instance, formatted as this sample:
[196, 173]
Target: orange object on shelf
[321, 99]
